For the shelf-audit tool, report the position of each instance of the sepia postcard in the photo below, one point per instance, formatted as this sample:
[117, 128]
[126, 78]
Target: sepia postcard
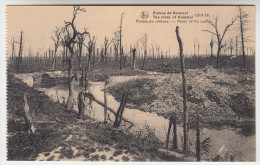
[131, 83]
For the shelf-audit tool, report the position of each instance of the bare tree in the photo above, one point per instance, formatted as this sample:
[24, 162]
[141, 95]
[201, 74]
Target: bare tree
[20, 53]
[81, 39]
[243, 21]
[133, 51]
[144, 40]
[12, 43]
[106, 46]
[236, 46]
[90, 47]
[185, 112]
[231, 47]
[158, 51]
[69, 42]
[218, 35]
[153, 51]
[120, 41]
[57, 42]
[194, 47]
[211, 44]
[115, 42]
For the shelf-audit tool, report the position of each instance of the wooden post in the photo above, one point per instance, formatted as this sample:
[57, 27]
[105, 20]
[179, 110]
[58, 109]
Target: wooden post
[174, 133]
[198, 138]
[105, 102]
[169, 132]
[185, 114]
[120, 111]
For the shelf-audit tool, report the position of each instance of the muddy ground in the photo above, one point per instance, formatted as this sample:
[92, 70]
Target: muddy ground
[60, 136]
[228, 95]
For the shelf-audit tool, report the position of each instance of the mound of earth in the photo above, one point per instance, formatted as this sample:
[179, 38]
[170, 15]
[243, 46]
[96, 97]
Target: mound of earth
[215, 93]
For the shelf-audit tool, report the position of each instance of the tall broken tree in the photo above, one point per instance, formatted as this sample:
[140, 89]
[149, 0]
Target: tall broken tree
[218, 35]
[133, 57]
[144, 40]
[27, 116]
[81, 39]
[120, 42]
[90, 47]
[116, 46]
[172, 123]
[12, 57]
[69, 42]
[57, 42]
[105, 102]
[19, 59]
[106, 46]
[185, 112]
[243, 21]
[120, 111]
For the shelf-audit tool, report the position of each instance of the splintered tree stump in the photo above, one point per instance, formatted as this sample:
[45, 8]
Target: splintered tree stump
[120, 111]
[81, 104]
[26, 114]
[172, 123]
[105, 102]
[184, 93]
[169, 131]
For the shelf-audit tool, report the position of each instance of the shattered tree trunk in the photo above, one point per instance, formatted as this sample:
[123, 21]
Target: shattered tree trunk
[242, 36]
[218, 54]
[185, 113]
[26, 114]
[169, 132]
[172, 123]
[144, 59]
[133, 58]
[70, 102]
[54, 59]
[87, 68]
[120, 43]
[174, 133]
[20, 54]
[105, 102]
[81, 105]
[120, 111]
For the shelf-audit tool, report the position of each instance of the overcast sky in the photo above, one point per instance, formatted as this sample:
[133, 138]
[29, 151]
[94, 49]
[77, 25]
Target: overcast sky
[39, 22]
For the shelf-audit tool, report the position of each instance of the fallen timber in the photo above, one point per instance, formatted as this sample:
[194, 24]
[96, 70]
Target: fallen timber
[174, 156]
[92, 97]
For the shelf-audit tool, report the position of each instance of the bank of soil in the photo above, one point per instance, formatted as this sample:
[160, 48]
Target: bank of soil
[228, 95]
[60, 136]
